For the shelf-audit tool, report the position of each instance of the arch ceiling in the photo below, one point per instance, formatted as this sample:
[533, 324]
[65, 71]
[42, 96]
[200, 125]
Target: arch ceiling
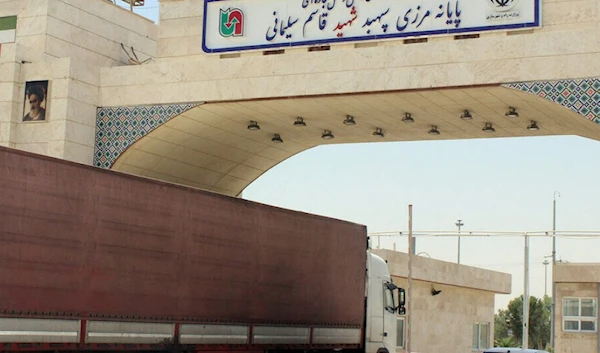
[210, 147]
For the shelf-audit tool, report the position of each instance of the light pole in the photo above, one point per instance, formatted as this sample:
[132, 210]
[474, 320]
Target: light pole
[459, 224]
[409, 317]
[526, 296]
[554, 227]
[545, 263]
[553, 311]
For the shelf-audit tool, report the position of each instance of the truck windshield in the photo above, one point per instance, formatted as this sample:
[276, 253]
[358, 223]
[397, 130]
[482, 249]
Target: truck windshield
[390, 305]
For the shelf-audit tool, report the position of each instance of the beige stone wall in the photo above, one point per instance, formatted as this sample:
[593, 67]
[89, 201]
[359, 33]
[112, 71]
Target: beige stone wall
[9, 93]
[31, 30]
[180, 31]
[448, 273]
[37, 136]
[574, 342]
[69, 128]
[444, 323]
[546, 54]
[92, 31]
[65, 42]
[567, 46]
[9, 96]
[11, 55]
[576, 272]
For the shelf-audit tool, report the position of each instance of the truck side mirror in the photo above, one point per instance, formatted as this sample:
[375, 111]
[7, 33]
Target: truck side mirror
[401, 301]
[401, 296]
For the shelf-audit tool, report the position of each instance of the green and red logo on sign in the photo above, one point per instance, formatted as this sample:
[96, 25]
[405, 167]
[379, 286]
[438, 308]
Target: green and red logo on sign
[232, 23]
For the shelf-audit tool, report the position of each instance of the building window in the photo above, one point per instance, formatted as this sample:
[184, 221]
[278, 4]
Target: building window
[579, 314]
[481, 336]
[400, 332]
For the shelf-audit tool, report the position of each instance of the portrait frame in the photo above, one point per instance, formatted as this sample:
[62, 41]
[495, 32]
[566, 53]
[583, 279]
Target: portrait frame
[35, 101]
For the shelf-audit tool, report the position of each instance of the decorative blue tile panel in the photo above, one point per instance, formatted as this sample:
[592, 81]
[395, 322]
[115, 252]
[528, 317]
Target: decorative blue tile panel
[581, 96]
[117, 128]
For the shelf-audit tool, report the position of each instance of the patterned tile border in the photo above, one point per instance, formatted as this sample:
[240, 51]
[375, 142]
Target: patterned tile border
[581, 96]
[117, 128]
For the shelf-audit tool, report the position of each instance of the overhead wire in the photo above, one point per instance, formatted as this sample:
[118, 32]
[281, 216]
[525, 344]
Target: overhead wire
[546, 234]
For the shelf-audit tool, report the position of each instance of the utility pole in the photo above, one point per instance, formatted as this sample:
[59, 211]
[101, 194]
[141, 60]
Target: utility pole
[459, 224]
[553, 311]
[409, 317]
[554, 227]
[526, 297]
[545, 263]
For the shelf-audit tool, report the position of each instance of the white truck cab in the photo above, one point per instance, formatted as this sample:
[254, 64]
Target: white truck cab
[382, 306]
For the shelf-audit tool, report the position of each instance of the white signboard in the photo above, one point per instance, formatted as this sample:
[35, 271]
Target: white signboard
[235, 25]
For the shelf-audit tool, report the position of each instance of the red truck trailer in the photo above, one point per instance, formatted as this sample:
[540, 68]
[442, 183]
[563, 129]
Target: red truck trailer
[92, 259]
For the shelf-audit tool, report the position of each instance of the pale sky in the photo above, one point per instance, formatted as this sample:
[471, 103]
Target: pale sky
[493, 185]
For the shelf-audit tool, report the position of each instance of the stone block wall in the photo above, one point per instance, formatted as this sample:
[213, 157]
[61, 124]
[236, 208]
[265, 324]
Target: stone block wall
[64, 42]
[92, 31]
[444, 322]
[577, 280]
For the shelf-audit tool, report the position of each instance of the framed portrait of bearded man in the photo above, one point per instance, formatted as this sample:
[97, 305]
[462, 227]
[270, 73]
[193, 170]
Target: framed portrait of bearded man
[35, 107]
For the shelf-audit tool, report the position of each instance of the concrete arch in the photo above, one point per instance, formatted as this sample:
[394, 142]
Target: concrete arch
[209, 146]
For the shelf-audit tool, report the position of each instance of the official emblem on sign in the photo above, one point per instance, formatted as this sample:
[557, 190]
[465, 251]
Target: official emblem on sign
[232, 23]
[503, 5]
